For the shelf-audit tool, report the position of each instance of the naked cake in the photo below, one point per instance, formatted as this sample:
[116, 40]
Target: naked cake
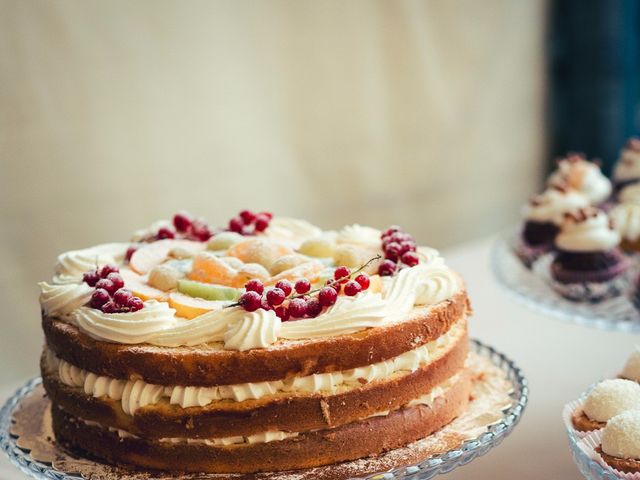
[267, 345]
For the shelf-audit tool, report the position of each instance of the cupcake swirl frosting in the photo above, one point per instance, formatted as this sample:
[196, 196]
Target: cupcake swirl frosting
[628, 166]
[589, 231]
[630, 194]
[552, 205]
[626, 220]
[578, 173]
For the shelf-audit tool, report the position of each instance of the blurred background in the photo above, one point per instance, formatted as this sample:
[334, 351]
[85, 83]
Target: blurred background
[442, 116]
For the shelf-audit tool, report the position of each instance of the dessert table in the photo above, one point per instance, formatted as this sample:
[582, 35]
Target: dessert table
[559, 359]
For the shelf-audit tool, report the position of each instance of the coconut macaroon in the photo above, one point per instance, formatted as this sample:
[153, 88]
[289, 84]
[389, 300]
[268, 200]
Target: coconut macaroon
[607, 399]
[631, 370]
[620, 443]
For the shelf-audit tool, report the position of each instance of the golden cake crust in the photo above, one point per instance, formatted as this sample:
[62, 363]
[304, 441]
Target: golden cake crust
[628, 465]
[582, 423]
[370, 436]
[202, 366]
[285, 411]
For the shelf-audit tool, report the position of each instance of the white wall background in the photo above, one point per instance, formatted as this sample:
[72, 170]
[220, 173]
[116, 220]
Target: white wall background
[115, 113]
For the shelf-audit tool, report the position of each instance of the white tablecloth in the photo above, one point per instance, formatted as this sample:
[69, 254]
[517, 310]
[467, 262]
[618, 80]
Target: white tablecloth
[559, 359]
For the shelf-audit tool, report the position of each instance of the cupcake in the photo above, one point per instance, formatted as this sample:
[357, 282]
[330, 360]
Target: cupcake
[620, 442]
[627, 169]
[631, 370]
[606, 400]
[579, 174]
[625, 218]
[542, 218]
[588, 265]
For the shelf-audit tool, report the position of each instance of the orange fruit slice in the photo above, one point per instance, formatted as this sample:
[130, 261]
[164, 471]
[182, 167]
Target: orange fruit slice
[191, 307]
[308, 270]
[139, 287]
[208, 268]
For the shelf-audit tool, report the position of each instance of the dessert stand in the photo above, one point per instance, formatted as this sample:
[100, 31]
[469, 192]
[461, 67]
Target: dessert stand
[532, 288]
[590, 469]
[431, 465]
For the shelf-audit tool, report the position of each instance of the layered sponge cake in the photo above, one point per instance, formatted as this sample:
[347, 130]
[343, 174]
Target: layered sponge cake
[268, 345]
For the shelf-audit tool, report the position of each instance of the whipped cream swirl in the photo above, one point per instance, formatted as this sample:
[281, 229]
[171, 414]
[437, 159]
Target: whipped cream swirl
[628, 165]
[583, 176]
[630, 194]
[552, 204]
[61, 300]
[291, 231]
[254, 330]
[626, 220]
[359, 235]
[71, 265]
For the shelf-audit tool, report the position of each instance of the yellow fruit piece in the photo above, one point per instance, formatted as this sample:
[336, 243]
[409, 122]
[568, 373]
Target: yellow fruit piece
[138, 285]
[191, 307]
[260, 250]
[309, 270]
[152, 254]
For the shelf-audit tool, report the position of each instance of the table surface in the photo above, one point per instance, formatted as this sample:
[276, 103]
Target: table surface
[559, 359]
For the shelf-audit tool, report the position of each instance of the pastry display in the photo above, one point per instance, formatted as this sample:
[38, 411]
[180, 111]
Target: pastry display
[627, 169]
[542, 218]
[264, 346]
[577, 173]
[620, 447]
[606, 400]
[588, 264]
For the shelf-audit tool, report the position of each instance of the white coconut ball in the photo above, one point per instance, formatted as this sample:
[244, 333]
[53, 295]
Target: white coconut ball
[621, 436]
[631, 369]
[610, 398]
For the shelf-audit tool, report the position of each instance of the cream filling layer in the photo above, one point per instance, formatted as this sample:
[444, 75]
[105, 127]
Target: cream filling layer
[278, 435]
[134, 394]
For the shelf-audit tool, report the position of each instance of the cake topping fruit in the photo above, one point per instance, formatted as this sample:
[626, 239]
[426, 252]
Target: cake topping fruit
[254, 286]
[109, 295]
[302, 286]
[250, 223]
[250, 301]
[286, 286]
[399, 250]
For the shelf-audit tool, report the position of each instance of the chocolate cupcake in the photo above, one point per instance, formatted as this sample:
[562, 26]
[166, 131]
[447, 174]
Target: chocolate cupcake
[578, 173]
[627, 169]
[588, 265]
[542, 218]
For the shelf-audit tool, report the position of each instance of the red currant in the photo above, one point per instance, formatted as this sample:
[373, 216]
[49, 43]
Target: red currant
[407, 246]
[135, 304]
[91, 278]
[122, 297]
[264, 303]
[411, 259]
[297, 308]
[390, 231]
[236, 224]
[387, 268]
[262, 222]
[116, 279]
[247, 216]
[107, 269]
[352, 288]
[250, 301]
[254, 285]
[392, 251]
[327, 296]
[302, 286]
[130, 251]
[282, 312]
[200, 231]
[107, 285]
[363, 281]
[275, 296]
[99, 297]
[269, 215]
[165, 233]
[313, 307]
[341, 273]
[181, 221]
[109, 307]
[285, 286]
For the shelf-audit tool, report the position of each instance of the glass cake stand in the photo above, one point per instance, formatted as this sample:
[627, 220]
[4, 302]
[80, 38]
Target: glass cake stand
[533, 289]
[589, 468]
[430, 467]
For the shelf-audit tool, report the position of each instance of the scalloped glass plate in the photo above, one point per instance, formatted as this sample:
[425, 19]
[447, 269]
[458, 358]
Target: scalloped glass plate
[430, 467]
[533, 289]
[588, 467]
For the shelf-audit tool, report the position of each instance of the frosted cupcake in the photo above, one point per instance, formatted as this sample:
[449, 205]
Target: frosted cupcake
[579, 174]
[588, 265]
[631, 370]
[620, 442]
[542, 218]
[606, 400]
[627, 169]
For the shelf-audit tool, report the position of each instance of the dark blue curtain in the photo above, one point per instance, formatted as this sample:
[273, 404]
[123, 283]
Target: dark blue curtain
[594, 75]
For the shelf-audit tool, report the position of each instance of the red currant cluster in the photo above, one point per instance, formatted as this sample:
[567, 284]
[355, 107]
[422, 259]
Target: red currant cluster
[109, 295]
[250, 223]
[399, 248]
[304, 302]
